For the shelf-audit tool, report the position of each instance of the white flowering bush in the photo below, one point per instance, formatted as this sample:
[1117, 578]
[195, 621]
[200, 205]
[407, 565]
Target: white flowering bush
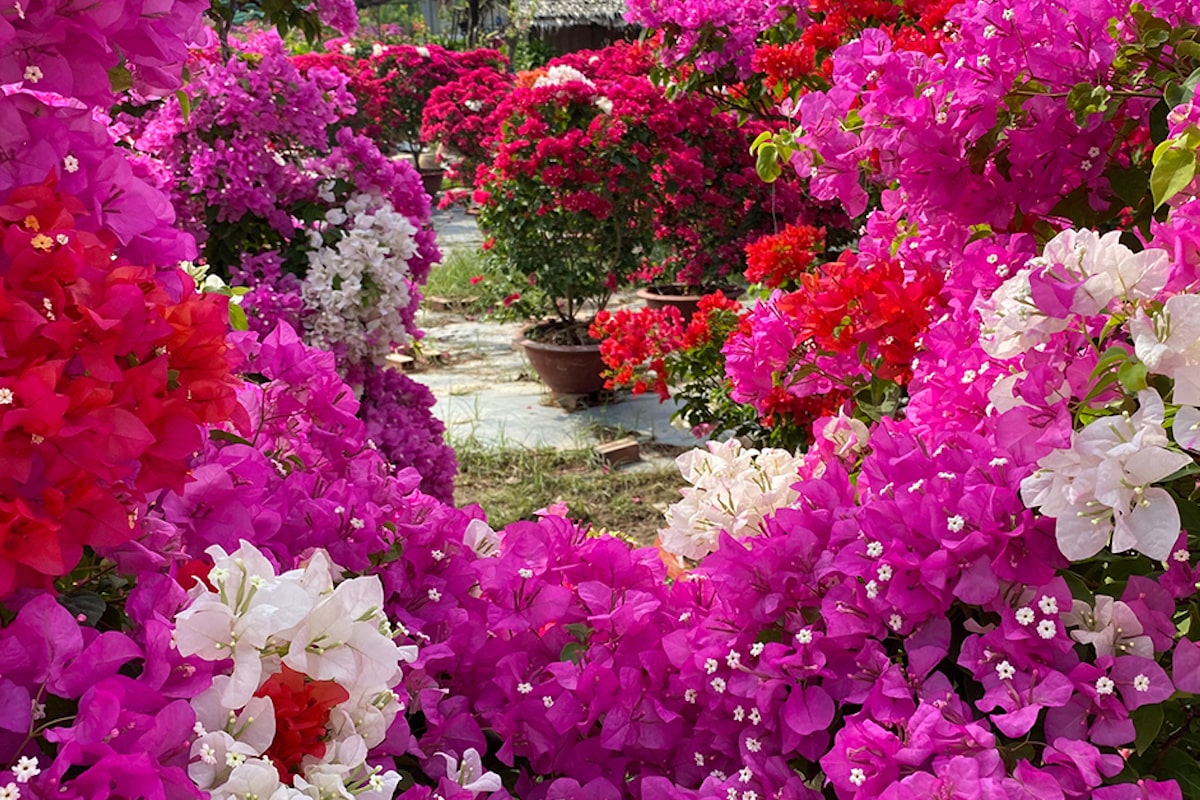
[309, 688]
[360, 285]
[733, 489]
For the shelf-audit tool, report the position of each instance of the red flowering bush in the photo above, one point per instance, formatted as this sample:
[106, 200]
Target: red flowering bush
[568, 200]
[711, 202]
[458, 117]
[107, 380]
[650, 349]
[594, 146]
[405, 76]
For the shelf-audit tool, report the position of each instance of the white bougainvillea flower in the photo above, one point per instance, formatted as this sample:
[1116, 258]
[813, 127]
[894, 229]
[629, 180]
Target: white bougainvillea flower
[251, 605]
[255, 778]
[340, 639]
[480, 538]
[359, 285]
[252, 726]
[1186, 428]
[1094, 271]
[733, 489]
[848, 436]
[560, 74]
[1111, 626]
[1168, 343]
[1105, 269]
[1100, 489]
[1011, 322]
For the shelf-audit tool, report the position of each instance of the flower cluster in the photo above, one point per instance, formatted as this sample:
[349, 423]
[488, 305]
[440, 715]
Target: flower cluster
[595, 150]
[988, 592]
[852, 324]
[749, 56]
[778, 260]
[733, 490]
[237, 188]
[311, 668]
[458, 118]
[56, 47]
[398, 415]
[358, 286]
[654, 349]
[299, 470]
[408, 75]
[105, 380]
[568, 154]
[274, 198]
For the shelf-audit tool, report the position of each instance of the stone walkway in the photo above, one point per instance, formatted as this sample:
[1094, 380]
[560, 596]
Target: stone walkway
[487, 394]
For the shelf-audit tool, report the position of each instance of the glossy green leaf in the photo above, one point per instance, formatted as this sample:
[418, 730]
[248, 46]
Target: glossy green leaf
[1174, 169]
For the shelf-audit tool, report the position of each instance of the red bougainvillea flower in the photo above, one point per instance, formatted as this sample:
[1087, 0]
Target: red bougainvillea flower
[105, 380]
[780, 259]
[302, 709]
[634, 345]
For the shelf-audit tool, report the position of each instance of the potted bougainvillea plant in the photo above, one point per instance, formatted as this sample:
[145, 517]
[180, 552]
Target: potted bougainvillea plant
[564, 203]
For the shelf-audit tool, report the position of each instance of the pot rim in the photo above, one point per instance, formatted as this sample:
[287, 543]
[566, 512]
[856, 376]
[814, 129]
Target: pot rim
[649, 293]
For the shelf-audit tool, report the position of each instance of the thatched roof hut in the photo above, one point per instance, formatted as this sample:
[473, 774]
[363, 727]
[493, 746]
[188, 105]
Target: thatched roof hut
[568, 25]
[550, 15]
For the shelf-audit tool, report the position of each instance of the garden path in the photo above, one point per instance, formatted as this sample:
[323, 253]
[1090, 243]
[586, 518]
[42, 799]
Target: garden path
[487, 394]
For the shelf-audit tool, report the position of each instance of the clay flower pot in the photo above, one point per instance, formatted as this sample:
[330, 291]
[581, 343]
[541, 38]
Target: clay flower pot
[564, 368]
[684, 298]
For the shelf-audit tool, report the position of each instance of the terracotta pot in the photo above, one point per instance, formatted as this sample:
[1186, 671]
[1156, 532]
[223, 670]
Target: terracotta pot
[431, 179]
[683, 297]
[566, 368]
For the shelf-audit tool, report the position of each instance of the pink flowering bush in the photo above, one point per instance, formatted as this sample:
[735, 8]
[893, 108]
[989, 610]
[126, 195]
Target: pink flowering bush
[329, 236]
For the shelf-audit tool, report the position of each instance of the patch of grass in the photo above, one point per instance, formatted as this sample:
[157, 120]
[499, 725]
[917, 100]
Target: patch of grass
[451, 279]
[510, 484]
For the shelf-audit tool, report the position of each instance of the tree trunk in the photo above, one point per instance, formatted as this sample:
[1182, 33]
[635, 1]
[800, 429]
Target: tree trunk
[473, 17]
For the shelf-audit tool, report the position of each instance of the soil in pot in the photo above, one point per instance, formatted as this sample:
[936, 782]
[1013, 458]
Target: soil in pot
[565, 358]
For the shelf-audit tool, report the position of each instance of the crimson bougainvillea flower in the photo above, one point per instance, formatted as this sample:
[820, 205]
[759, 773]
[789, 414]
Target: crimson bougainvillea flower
[107, 380]
[302, 710]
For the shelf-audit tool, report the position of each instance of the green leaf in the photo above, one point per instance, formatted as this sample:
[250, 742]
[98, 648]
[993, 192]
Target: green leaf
[1174, 168]
[1176, 763]
[572, 651]
[237, 318]
[218, 435]
[1129, 184]
[120, 79]
[1132, 375]
[185, 104]
[1147, 721]
[1109, 358]
[580, 630]
[1079, 589]
[88, 604]
[1085, 99]
[767, 164]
